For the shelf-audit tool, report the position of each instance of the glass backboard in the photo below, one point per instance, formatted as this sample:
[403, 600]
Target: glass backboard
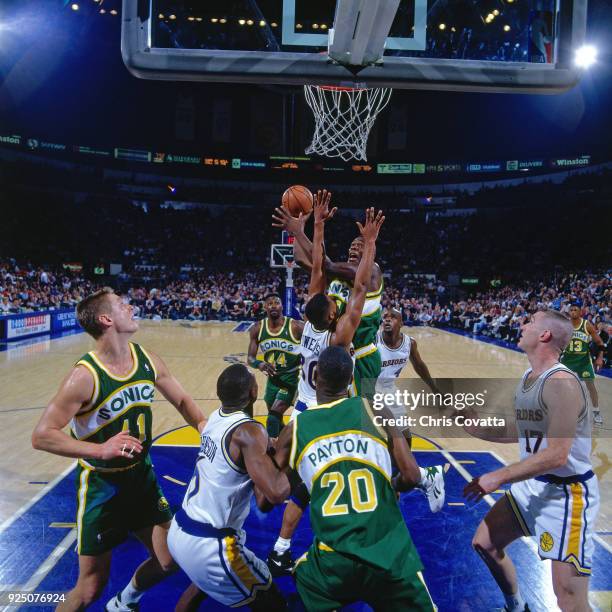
[469, 45]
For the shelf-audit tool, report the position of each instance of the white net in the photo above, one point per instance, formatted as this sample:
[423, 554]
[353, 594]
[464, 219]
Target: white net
[343, 119]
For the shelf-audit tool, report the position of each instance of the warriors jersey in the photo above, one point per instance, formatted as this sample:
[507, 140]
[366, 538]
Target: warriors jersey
[532, 419]
[393, 361]
[118, 403]
[313, 343]
[220, 490]
[281, 349]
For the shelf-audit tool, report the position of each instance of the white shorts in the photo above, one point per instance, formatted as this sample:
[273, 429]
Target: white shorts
[300, 406]
[224, 568]
[561, 517]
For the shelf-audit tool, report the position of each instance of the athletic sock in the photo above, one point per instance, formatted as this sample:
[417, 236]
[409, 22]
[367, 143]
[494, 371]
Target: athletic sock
[130, 594]
[423, 477]
[515, 602]
[282, 545]
[274, 424]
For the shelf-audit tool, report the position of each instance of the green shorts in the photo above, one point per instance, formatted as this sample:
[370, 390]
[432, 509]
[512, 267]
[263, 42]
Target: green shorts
[581, 366]
[282, 389]
[111, 504]
[367, 370]
[327, 580]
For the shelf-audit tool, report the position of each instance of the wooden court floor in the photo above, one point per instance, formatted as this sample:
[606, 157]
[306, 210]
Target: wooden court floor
[196, 354]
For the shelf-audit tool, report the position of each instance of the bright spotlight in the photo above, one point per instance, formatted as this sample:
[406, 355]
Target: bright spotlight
[586, 56]
[74, 7]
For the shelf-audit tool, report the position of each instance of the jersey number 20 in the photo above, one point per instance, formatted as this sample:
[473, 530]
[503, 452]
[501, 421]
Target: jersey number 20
[359, 503]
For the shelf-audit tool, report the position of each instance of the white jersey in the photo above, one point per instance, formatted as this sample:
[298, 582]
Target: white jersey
[393, 362]
[532, 421]
[220, 491]
[313, 343]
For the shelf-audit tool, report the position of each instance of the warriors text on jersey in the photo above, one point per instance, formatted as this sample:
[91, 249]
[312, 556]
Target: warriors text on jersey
[344, 461]
[576, 355]
[533, 421]
[393, 361]
[282, 350]
[118, 403]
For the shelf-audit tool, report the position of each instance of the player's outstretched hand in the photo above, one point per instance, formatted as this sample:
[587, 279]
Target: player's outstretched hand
[373, 223]
[481, 486]
[321, 203]
[122, 445]
[267, 368]
[281, 218]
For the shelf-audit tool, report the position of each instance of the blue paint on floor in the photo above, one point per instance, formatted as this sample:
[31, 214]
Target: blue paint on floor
[457, 578]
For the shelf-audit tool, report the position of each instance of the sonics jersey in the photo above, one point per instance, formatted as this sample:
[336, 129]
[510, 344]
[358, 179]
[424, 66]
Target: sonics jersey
[220, 491]
[344, 462]
[532, 420]
[281, 349]
[313, 343]
[576, 355]
[118, 403]
[365, 336]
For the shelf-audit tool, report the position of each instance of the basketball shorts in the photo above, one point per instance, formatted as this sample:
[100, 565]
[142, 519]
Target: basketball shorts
[561, 516]
[111, 504]
[367, 370]
[221, 566]
[282, 389]
[327, 580]
[582, 366]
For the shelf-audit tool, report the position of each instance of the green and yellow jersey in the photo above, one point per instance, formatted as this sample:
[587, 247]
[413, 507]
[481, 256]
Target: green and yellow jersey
[345, 463]
[282, 350]
[364, 339]
[118, 403]
[577, 356]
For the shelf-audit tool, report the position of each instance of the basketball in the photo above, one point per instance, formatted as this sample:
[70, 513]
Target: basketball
[297, 199]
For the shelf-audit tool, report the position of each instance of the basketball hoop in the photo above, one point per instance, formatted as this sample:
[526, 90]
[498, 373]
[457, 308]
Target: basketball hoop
[344, 117]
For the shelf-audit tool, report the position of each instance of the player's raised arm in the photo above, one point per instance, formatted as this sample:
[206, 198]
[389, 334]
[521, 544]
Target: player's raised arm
[267, 368]
[173, 391]
[302, 247]
[74, 393]
[322, 214]
[348, 323]
[252, 441]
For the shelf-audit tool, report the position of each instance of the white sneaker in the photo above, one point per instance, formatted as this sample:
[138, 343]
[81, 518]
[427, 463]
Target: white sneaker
[433, 487]
[116, 605]
[597, 418]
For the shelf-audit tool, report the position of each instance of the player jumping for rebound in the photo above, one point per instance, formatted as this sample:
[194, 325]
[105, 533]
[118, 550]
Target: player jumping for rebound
[278, 338]
[577, 356]
[396, 349]
[341, 277]
[554, 495]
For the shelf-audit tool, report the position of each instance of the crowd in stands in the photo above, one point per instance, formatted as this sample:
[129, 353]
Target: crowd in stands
[235, 296]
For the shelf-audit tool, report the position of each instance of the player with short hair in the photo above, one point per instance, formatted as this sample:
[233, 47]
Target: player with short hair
[362, 550]
[206, 536]
[577, 355]
[341, 277]
[554, 494]
[278, 338]
[396, 349]
[106, 399]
